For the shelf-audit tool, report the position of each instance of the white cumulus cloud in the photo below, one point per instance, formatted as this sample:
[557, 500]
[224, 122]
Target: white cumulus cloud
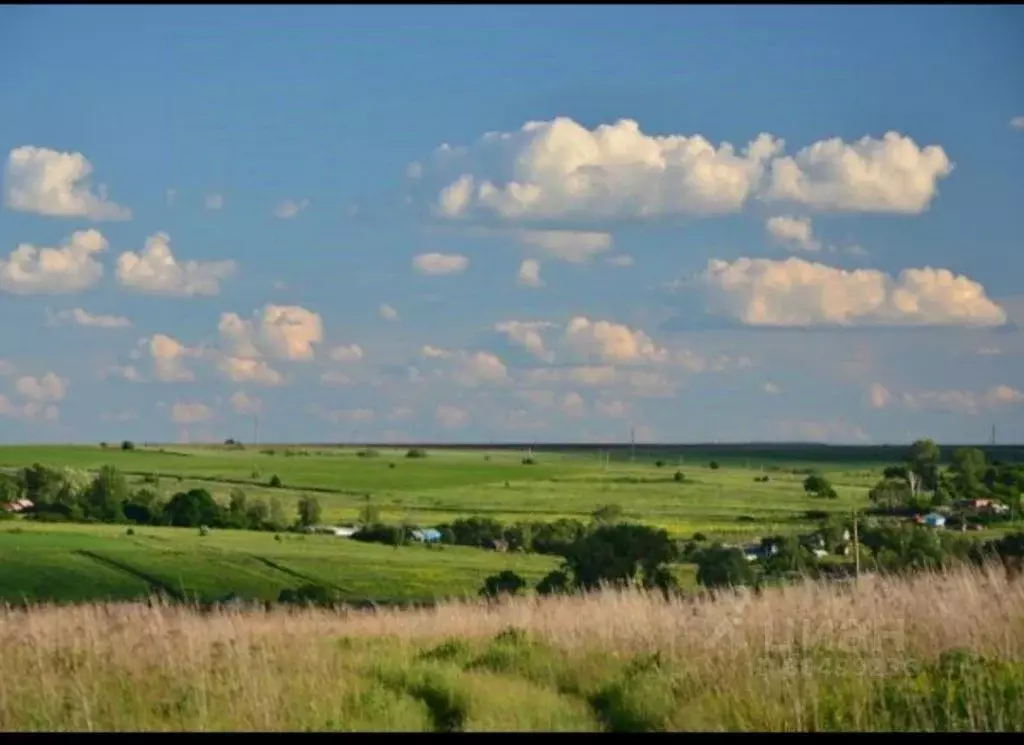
[46, 389]
[248, 370]
[437, 263]
[80, 317]
[169, 357]
[470, 369]
[529, 274]
[56, 184]
[347, 353]
[1017, 122]
[214, 201]
[574, 246]
[285, 332]
[527, 334]
[155, 270]
[793, 232]
[794, 292]
[68, 268]
[560, 169]
[612, 342]
[888, 175]
[388, 313]
[620, 260]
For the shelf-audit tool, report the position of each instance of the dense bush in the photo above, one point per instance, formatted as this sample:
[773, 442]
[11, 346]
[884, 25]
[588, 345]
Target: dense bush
[275, 482]
[416, 453]
[721, 566]
[819, 486]
[391, 535]
[616, 555]
[503, 583]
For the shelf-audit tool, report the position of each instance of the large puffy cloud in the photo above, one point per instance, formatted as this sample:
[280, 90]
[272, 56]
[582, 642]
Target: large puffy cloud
[80, 317]
[285, 332]
[888, 175]
[763, 292]
[55, 184]
[612, 342]
[46, 389]
[527, 334]
[437, 264]
[169, 357]
[39, 397]
[155, 270]
[69, 268]
[561, 169]
[793, 232]
[967, 402]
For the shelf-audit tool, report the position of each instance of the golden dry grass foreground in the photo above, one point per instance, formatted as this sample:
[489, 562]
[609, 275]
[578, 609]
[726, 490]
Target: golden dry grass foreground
[933, 652]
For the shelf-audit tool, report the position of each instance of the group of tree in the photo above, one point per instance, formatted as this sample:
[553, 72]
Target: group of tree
[551, 538]
[920, 483]
[76, 496]
[607, 555]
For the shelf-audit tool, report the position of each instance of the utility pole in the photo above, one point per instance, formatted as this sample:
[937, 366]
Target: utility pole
[856, 550]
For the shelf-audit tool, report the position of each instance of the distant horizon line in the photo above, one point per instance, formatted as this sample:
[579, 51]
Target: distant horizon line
[477, 445]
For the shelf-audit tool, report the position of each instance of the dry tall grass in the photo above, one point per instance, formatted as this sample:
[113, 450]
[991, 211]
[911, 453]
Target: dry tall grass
[886, 654]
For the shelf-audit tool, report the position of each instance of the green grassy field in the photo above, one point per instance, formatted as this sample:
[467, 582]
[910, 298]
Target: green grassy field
[81, 562]
[64, 562]
[450, 484]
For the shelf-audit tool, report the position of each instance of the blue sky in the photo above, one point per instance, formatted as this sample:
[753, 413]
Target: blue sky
[707, 223]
